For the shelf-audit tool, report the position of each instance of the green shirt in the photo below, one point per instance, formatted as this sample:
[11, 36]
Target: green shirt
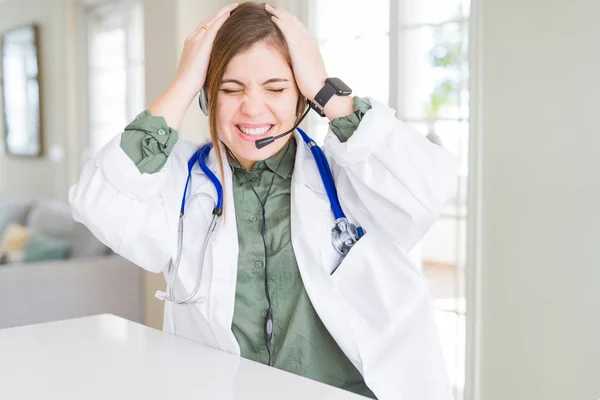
[301, 344]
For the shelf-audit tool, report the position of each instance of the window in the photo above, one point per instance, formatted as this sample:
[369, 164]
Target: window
[115, 68]
[346, 47]
[413, 55]
[433, 97]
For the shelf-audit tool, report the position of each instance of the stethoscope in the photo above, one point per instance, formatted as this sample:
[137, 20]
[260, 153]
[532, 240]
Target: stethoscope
[344, 234]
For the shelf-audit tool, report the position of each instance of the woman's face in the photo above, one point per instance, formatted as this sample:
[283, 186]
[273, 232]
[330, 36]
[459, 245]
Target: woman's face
[257, 99]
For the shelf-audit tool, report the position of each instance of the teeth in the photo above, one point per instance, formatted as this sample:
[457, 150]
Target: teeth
[255, 131]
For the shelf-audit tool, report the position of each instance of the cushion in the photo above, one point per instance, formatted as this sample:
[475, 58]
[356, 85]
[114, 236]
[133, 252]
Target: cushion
[54, 219]
[13, 210]
[16, 257]
[40, 247]
[14, 238]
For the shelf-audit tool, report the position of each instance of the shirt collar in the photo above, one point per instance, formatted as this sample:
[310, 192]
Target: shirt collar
[287, 160]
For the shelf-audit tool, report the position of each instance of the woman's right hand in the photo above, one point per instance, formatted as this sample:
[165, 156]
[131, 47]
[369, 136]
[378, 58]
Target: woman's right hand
[191, 72]
[197, 48]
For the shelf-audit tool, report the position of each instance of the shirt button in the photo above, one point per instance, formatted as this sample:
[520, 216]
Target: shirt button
[261, 165]
[258, 264]
[161, 132]
[253, 218]
[263, 314]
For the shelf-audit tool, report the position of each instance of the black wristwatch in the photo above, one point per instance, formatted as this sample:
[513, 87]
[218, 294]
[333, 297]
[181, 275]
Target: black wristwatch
[333, 86]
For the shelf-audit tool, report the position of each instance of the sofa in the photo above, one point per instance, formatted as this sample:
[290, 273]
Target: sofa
[90, 280]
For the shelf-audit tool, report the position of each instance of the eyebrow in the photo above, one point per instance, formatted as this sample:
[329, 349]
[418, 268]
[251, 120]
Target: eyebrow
[272, 80]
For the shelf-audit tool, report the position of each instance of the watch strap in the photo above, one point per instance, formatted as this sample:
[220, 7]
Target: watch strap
[322, 97]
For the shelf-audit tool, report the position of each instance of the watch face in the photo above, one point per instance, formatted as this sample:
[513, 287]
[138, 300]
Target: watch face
[341, 88]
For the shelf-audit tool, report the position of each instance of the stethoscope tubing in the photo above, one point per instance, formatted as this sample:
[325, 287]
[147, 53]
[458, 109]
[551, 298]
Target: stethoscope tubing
[200, 157]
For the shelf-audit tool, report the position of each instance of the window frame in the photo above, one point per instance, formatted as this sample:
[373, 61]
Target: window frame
[84, 68]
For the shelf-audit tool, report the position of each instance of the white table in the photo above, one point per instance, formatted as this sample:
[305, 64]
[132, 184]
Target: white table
[106, 357]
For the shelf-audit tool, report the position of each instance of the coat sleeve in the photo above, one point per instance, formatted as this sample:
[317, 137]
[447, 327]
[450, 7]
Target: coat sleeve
[390, 177]
[133, 213]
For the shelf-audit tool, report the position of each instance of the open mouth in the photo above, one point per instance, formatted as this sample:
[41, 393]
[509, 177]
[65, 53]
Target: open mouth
[254, 133]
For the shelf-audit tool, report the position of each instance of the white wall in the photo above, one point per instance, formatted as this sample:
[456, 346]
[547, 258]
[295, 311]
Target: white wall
[540, 95]
[43, 177]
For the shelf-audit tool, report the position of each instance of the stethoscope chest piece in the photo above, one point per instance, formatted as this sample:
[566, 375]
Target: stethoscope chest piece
[344, 236]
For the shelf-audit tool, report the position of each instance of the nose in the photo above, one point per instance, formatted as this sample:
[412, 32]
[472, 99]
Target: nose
[253, 104]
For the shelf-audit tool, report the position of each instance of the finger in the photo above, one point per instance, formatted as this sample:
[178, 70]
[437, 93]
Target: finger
[288, 28]
[279, 24]
[284, 16]
[199, 30]
[223, 11]
[279, 13]
[275, 11]
[211, 20]
[214, 28]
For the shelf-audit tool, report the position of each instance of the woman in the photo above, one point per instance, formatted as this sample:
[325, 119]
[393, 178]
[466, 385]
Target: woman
[272, 287]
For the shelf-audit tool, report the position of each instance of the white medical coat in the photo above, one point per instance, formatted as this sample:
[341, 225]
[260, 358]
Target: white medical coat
[390, 180]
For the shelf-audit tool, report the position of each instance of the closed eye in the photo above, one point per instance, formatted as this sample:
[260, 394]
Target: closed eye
[229, 91]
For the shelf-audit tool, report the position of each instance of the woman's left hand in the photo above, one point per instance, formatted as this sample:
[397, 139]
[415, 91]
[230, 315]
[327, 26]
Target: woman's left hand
[307, 61]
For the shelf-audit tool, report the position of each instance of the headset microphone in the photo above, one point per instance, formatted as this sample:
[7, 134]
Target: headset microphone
[260, 143]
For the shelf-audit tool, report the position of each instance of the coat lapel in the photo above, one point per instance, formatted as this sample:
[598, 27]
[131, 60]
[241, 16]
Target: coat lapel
[311, 223]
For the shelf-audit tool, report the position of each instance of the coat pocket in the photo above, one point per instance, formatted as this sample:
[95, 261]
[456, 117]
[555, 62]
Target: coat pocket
[378, 281]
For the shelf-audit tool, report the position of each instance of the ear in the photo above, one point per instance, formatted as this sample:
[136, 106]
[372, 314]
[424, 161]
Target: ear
[300, 107]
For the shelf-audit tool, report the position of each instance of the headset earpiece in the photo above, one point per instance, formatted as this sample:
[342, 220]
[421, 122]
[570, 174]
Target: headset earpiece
[203, 101]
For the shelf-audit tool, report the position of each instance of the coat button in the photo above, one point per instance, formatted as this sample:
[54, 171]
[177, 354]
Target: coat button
[253, 218]
[161, 132]
[252, 177]
[258, 264]
[263, 314]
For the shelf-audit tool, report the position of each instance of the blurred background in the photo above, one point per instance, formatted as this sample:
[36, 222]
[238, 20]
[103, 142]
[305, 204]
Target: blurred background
[511, 87]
